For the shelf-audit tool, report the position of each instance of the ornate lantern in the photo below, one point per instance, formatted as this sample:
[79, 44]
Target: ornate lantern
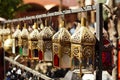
[16, 40]
[61, 48]
[24, 39]
[8, 44]
[83, 48]
[45, 44]
[33, 43]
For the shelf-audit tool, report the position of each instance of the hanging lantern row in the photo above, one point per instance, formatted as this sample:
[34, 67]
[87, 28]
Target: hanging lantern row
[60, 48]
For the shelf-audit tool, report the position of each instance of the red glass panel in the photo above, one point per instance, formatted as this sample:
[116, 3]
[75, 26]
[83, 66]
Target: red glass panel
[40, 55]
[56, 60]
[30, 54]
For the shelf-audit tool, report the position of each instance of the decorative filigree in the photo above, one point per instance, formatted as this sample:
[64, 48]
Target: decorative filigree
[46, 33]
[62, 36]
[66, 50]
[87, 51]
[55, 48]
[83, 36]
[34, 34]
[34, 44]
[48, 45]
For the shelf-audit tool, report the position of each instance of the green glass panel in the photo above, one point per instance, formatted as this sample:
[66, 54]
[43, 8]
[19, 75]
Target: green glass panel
[20, 51]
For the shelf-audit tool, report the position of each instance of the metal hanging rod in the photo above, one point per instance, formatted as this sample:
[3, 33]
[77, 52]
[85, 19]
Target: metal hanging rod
[40, 75]
[82, 9]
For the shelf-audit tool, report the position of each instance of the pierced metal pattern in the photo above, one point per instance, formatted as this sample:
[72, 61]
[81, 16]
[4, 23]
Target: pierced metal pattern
[48, 45]
[75, 50]
[83, 36]
[56, 48]
[34, 34]
[46, 33]
[62, 36]
[66, 50]
[34, 44]
[17, 33]
[88, 51]
[24, 33]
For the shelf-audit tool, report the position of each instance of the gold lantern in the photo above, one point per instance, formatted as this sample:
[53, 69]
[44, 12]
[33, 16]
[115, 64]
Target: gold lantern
[24, 40]
[62, 48]
[33, 43]
[45, 44]
[16, 40]
[8, 44]
[83, 49]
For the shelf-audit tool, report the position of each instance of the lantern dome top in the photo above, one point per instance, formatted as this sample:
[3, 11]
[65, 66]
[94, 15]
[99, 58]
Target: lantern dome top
[24, 33]
[83, 35]
[46, 33]
[35, 33]
[17, 33]
[61, 36]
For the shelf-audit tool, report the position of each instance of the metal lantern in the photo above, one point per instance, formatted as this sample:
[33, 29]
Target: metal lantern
[45, 44]
[83, 49]
[33, 43]
[8, 44]
[61, 48]
[16, 40]
[24, 40]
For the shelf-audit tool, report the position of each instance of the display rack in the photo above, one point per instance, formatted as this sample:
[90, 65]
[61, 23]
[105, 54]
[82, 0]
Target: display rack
[70, 11]
[27, 69]
[99, 22]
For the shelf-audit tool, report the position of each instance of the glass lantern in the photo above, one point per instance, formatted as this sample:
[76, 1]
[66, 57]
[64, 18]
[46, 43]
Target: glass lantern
[83, 49]
[16, 40]
[33, 43]
[24, 40]
[45, 41]
[62, 48]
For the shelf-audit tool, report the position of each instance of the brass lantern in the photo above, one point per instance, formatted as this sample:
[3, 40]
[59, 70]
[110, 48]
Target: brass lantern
[16, 40]
[24, 40]
[33, 43]
[83, 48]
[8, 44]
[62, 48]
[45, 44]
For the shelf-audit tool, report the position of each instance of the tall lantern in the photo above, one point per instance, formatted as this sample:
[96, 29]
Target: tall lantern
[24, 39]
[16, 40]
[83, 49]
[33, 43]
[45, 44]
[62, 48]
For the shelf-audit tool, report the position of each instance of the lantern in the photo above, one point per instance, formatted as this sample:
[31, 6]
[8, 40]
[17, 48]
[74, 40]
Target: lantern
[16, 40]
[61, 48]
[45, 44]
[24, 39]
[33, 43]
[83, 48]
[8, 44]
